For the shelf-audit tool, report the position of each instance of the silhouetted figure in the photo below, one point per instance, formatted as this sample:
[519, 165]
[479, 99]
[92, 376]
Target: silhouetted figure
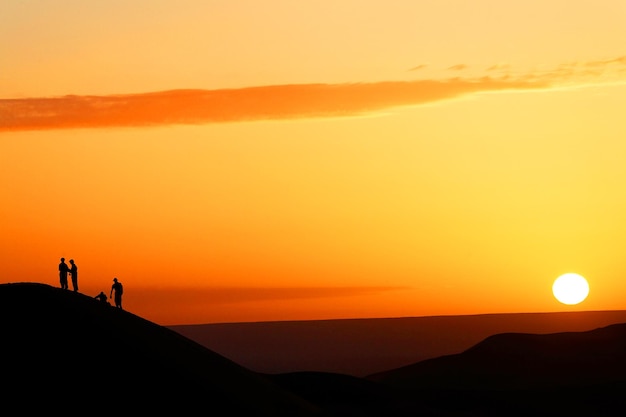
[63, 271]
[102, 297]
[74, 274]
[118, 289]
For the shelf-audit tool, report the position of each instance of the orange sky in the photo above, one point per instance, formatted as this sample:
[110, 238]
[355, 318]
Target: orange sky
[316, 159]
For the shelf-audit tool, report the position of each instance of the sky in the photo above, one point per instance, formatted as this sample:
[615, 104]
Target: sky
[245, 161]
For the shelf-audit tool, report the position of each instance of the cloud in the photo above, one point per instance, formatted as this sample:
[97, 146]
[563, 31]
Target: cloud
[232, 105]
[241, 304]
[283, 102]
[458, 67]
[605, 62]
[235, 295]
[499, 67]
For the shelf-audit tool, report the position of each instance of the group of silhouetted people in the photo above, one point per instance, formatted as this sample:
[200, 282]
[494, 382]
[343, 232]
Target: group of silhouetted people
[117, 289]
[64, 270]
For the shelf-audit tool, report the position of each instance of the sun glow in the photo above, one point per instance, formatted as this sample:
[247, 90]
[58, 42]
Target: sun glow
[570, 289]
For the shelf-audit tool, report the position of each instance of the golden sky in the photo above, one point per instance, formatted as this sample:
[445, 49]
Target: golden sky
[279, 160]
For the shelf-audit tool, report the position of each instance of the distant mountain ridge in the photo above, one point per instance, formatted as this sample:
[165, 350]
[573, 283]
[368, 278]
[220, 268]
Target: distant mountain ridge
[361, 347]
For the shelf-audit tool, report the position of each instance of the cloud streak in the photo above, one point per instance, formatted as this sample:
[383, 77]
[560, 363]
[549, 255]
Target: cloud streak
[278, 102]
[233, 105]
[241, 304]
[235, 295]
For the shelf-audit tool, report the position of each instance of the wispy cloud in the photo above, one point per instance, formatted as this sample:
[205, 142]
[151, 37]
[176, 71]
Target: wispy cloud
[234, 295]
[458, 67]
[241, 304]
[278, 101]
[499, 67]
[606, 62]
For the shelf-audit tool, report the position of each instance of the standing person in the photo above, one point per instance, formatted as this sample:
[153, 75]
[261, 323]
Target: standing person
[118, 289]
[63, 270]
[74, 274]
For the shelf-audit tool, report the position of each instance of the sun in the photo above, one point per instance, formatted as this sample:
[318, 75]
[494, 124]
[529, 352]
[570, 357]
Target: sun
[570, 288]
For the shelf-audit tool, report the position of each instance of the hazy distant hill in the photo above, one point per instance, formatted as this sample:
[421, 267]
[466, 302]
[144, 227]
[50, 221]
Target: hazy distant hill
[361, 347]
[67, 353]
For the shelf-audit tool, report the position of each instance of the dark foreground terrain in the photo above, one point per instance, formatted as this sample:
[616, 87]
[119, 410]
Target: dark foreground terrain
[68, 353]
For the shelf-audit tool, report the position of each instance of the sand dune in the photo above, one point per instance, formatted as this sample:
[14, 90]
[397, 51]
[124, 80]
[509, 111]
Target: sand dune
[69, 353]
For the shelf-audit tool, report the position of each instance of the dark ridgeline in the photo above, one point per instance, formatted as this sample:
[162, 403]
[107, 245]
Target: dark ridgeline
[518, 361]
[518, 374]
[69, 353]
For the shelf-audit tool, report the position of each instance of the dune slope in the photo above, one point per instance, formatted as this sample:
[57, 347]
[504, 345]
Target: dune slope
[67, 352]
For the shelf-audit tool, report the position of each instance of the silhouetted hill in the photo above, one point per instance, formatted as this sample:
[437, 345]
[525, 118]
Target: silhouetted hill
[560, 374]
[522, 361]
[69, 354]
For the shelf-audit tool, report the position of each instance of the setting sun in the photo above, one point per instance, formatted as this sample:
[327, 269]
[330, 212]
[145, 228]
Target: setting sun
[570, 289]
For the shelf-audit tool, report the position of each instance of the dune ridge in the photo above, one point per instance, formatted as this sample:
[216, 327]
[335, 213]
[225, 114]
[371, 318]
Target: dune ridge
[69, 352]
